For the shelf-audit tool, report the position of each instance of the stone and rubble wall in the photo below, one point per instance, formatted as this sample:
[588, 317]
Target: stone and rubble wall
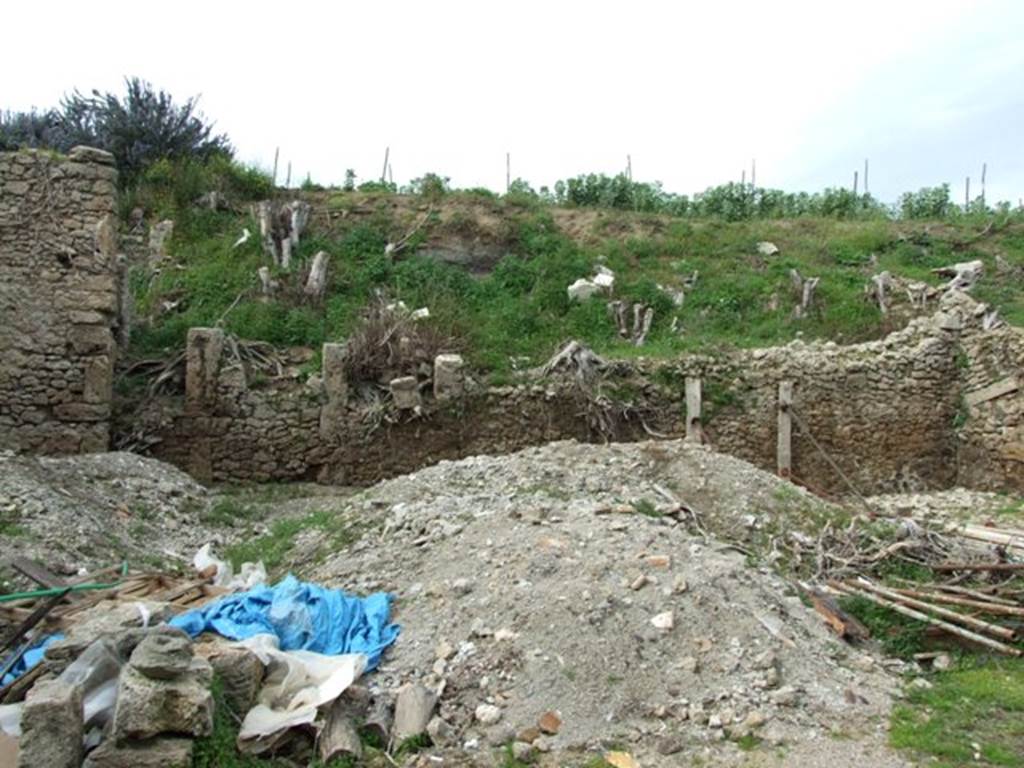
[890, 413]
[990, 422]
[59, 300]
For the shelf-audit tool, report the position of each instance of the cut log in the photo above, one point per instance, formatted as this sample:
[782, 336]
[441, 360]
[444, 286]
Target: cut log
[317, 280]
[842, 623]
[414, 707]
[640, 333]
[339, 737]
[378, 722]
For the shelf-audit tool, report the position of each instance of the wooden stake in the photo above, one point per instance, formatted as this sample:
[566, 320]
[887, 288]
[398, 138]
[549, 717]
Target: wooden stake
[629, 168]
[969, 621]
[866, 176]
[984, 170]
[288, 181]
[508, 172]
[753, 172]
[855, 183]
[967, 194]
[743, 177]
[277, 151]
[391, 178]
[978, 567]
[693, 396]
[384, 170]
[951, 628]
[982, 606]
[784, 447]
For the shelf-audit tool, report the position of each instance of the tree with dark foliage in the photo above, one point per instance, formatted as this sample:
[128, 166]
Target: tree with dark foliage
[143, 126]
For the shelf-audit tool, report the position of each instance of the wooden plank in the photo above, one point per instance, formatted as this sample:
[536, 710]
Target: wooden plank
[693, 422]
[37, 572]
[992, 391]
[784, 446]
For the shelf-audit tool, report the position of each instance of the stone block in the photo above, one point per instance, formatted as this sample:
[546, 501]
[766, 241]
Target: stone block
[52, 727]
[84, 154]
[147, 707]
[98, 380]
[161, 752]
[159, 238]
[449, 378]
[239, 670]
[335, 382]
[162, 656]
[203, 350]
[91, 339]
[82, 411]
[405, 393]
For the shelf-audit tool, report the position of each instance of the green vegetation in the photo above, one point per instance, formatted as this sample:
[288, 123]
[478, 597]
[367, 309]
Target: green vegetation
[971, 716]
[274, 547]
[519, 310]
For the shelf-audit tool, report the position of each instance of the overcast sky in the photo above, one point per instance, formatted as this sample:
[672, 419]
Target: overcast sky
[928, 90]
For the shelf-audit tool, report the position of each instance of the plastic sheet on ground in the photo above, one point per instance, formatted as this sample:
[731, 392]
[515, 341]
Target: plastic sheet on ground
[248, 576]
[302, 616]
[297, 683]
[30, 658]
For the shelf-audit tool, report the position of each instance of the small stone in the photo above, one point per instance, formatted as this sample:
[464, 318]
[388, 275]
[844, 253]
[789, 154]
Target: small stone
[550, 722]
[439, 730]
[162, 656]
[544, 744]
[462, 587]
[755, 719]
[679, 585]
[785, 697]
[690, 664]
[522, 751]
[921, 684]
[669, 745]
[487, 714]
[529, 735]
[659, 561]
[444, 650]
[663, 621]
[638, 583]
[942, 662]
[715, 721]
[505, 634]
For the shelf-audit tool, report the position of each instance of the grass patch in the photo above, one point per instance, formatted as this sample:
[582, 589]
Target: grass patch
[899, 636]
[274, 547]
[981, 704]
[520, 309]
[646, 508]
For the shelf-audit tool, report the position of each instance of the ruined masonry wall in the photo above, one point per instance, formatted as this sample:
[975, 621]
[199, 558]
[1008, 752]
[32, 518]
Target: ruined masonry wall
[58, 300]
[887, 411]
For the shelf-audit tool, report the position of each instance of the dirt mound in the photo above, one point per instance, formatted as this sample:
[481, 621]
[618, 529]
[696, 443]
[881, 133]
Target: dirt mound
[587, 581]
[95, 510]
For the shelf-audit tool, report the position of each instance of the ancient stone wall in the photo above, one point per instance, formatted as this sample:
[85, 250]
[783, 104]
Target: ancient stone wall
[58, 300]
[990, 419]
[886, 412]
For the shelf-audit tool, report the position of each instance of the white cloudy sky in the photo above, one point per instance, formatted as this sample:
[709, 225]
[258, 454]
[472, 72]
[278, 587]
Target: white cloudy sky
[927, 89]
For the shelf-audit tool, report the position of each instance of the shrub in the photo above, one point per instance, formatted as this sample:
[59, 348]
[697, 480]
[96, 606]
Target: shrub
[927, 203]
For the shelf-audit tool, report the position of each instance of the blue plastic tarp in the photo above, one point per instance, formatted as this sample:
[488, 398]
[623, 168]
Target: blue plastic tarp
[303, 616]
[30, 658]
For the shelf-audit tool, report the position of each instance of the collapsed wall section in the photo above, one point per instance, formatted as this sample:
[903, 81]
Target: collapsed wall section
[58, 300]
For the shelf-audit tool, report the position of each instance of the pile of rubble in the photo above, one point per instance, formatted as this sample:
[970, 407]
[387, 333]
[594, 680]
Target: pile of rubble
[572, 597]
[82, 512]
